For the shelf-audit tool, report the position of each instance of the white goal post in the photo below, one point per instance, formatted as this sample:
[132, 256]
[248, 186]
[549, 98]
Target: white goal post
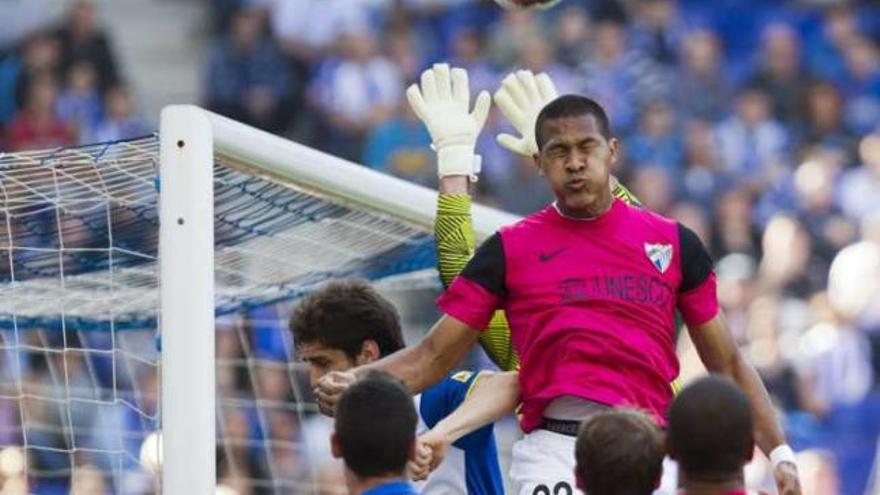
[191, 141]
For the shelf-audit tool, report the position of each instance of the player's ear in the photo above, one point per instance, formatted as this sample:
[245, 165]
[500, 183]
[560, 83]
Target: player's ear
[335, 448]
[369, 352]
[536, 162]
[614, 150]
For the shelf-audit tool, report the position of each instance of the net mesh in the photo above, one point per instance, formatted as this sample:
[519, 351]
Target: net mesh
[79, 310]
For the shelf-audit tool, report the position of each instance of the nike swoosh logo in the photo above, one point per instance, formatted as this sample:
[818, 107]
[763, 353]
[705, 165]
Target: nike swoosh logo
[545, 257]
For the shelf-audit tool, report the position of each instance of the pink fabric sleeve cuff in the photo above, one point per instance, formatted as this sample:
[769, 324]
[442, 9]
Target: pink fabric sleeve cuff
[700, 304]
[469, 302]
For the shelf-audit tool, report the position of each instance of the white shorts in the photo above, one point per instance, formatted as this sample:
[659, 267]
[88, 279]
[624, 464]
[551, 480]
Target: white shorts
[543, 464]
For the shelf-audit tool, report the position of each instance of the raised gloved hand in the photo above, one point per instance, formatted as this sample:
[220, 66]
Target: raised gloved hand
[442, 102]
[521, 97]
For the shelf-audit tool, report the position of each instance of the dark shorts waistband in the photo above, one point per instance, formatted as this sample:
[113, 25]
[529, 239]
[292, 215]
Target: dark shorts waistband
[568, 427]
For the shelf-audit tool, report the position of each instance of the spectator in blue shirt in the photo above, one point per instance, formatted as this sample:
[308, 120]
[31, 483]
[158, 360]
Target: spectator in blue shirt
[401, 147]
[657, 141]
[247, 76]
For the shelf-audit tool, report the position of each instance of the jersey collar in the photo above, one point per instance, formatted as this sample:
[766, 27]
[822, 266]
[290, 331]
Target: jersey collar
[391, 488]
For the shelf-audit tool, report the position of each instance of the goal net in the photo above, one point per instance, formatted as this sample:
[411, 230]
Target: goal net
[145, 287]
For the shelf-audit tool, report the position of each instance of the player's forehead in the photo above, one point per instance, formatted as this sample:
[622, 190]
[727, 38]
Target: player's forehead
[314, 350]
[572, 129]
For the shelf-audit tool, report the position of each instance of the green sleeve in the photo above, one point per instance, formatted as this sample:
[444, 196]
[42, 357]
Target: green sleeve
[454, 234]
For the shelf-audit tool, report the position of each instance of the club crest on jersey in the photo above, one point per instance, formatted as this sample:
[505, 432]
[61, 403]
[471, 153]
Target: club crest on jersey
[660, 255]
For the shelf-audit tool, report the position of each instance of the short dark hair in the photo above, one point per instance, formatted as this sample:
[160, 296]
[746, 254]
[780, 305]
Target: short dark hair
[711, 429]
[619, 452]
[376, 425]
[571, 106]
[343, 314]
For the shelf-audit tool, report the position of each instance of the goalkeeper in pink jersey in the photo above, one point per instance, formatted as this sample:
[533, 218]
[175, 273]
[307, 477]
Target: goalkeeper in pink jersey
[589, 285]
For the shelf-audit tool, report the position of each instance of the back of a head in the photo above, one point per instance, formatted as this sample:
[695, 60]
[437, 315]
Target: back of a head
[343, 314]
[375, 426]
[619, 452]
[571, 106]
[710, 430]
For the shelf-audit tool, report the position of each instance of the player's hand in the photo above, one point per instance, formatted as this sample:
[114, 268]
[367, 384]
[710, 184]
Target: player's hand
[521, 97]
[420, 467]
[442, 102]
[787, 482]
[330, 387]
[437, 444]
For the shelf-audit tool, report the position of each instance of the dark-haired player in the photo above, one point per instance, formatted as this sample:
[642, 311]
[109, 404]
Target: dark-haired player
[374, 434]
[346, 323]
[710, 435]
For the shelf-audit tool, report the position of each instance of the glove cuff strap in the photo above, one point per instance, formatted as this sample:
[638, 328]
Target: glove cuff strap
[458, 160]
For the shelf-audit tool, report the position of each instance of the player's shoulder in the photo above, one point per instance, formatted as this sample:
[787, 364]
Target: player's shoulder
[652, 222]
[446, 395]
[530, 223]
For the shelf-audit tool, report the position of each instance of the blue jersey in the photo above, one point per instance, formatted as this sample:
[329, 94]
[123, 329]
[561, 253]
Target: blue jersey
[471, 465]
[400, 487]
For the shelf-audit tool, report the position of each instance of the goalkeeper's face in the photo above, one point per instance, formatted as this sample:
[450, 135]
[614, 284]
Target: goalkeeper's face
[577, 161]
[323, 359]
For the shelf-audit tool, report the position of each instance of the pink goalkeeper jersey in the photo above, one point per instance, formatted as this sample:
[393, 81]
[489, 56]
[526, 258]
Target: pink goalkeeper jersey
[591, 304]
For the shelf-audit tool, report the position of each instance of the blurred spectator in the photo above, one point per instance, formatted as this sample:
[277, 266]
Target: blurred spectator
[825, 51]
[702, 91]
[780, 73]
[859, 190]
[37, 126]
[786, 265]
[120, 121]
[734, 230]
[656, 140]
[507, 36]
[536, 55]
[653, 186]
[824, 119]
[621, 79]
[308, 30]
[814, 185]
[572, 36]
[752, 145]
[40, 56]
[247, 77]
[862, 84]
[355, 91]
[88, 480]
[469, 53]
[80, 103]
[401, 147]
[703, 179]
[657, 30]
[81, 39]
[403, 54]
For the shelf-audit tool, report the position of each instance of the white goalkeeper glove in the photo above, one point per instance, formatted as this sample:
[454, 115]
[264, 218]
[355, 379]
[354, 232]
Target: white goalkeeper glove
[443, 104]
[521, 97]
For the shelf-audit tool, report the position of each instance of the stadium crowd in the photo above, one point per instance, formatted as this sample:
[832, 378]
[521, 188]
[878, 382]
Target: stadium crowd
[755, 122]
[61, 86]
